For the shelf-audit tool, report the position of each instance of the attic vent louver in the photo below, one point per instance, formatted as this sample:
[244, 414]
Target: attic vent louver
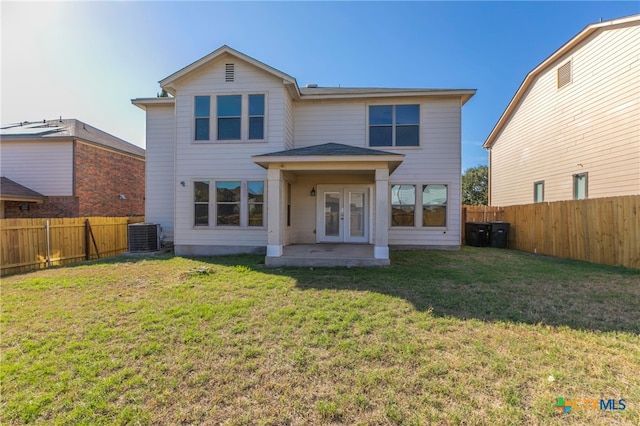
[229, 73]
[564, 75]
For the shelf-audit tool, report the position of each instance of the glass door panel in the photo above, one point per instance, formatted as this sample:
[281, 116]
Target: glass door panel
[356, 214]
[356, 225]
[332, 214]
[343, 214]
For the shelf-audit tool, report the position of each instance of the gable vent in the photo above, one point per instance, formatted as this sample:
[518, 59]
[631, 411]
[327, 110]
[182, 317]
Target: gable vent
[564, 75]
[229, 73]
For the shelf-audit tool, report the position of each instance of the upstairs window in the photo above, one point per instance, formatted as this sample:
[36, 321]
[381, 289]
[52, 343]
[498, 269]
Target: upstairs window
[256, 116]
[538, 192]
[580, 186]
[564, 75]
[229, 117]
[240, 117]
[202, 113]
[394, 125]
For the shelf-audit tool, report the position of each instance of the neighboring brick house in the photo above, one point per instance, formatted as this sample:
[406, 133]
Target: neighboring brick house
[78, 169]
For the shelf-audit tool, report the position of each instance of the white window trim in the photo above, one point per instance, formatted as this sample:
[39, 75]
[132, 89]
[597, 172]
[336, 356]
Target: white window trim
[244, 205]
[586, 185]
[446, 205]
[393, 136]
[415, 203]
[535, 185]
[417, 208]
[244, 118]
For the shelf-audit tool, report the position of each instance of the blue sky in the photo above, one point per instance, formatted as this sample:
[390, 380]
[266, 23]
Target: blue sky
[86, 60]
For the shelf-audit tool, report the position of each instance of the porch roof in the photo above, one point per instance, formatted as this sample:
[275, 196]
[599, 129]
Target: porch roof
[334, 153]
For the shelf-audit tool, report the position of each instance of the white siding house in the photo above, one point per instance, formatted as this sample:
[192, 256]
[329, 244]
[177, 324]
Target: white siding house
[241, 159]
[572, 130]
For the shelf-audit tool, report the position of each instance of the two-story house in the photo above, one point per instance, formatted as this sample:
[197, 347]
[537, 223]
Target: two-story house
[242, 159]
[572, 129]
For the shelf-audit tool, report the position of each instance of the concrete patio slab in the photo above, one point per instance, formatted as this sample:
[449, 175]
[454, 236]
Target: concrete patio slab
[326, 255]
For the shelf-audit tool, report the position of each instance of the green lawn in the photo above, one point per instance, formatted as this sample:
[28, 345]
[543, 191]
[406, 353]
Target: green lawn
[469, 337]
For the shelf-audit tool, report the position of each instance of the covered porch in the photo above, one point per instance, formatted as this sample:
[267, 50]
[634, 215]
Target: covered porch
[328, 205]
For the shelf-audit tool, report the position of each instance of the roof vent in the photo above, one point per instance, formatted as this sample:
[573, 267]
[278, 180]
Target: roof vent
[229, 73]
[312, 86]
[564, 75]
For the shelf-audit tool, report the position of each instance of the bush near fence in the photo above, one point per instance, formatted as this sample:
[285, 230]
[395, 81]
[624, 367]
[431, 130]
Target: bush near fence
[600, 230]
[24, 241]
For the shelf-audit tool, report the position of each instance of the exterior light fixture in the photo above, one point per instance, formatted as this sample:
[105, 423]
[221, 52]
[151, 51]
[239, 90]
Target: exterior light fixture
[313, 192]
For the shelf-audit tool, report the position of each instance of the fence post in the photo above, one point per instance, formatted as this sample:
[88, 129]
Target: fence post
[87, 243]
[48, 228]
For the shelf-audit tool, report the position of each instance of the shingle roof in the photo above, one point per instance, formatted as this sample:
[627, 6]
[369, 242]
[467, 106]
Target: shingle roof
[68, 128]
[13, 190]
[315, 93]
[327, 149]
[308, 91]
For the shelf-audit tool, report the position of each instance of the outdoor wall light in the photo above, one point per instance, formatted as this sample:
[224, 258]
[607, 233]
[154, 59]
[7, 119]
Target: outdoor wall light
[313, 192]
[182, 183]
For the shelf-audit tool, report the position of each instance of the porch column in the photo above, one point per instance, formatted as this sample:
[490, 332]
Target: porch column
[381, 243]
[275, 230]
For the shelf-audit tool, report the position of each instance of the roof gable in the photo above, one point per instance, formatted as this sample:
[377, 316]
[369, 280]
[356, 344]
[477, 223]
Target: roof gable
[533, 74]
[167, 83]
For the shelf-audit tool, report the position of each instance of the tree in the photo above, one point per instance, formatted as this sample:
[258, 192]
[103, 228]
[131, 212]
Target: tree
[163, 94]
[475, 186]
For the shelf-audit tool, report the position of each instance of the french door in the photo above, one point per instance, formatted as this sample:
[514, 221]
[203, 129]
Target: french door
[343, 214]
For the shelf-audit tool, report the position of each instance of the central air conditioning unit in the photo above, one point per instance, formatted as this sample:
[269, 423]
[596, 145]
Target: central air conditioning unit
[144, 237]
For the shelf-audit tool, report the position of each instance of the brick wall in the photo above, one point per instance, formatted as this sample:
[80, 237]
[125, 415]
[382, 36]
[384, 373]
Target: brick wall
[101, 176]
[51, 207]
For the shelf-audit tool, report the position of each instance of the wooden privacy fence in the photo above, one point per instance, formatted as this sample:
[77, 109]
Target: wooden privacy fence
[600, 230]
[29, 244]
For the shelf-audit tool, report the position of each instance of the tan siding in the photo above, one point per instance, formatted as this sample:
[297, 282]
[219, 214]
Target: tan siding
[160, 182]
[298, 124]
[44, 166]
[436, 161]
[222, 160]
[591, 125]
[289, 132]
[324, 122]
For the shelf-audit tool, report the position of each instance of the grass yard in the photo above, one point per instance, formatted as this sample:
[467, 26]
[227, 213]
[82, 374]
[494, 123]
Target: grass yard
[469, 337]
